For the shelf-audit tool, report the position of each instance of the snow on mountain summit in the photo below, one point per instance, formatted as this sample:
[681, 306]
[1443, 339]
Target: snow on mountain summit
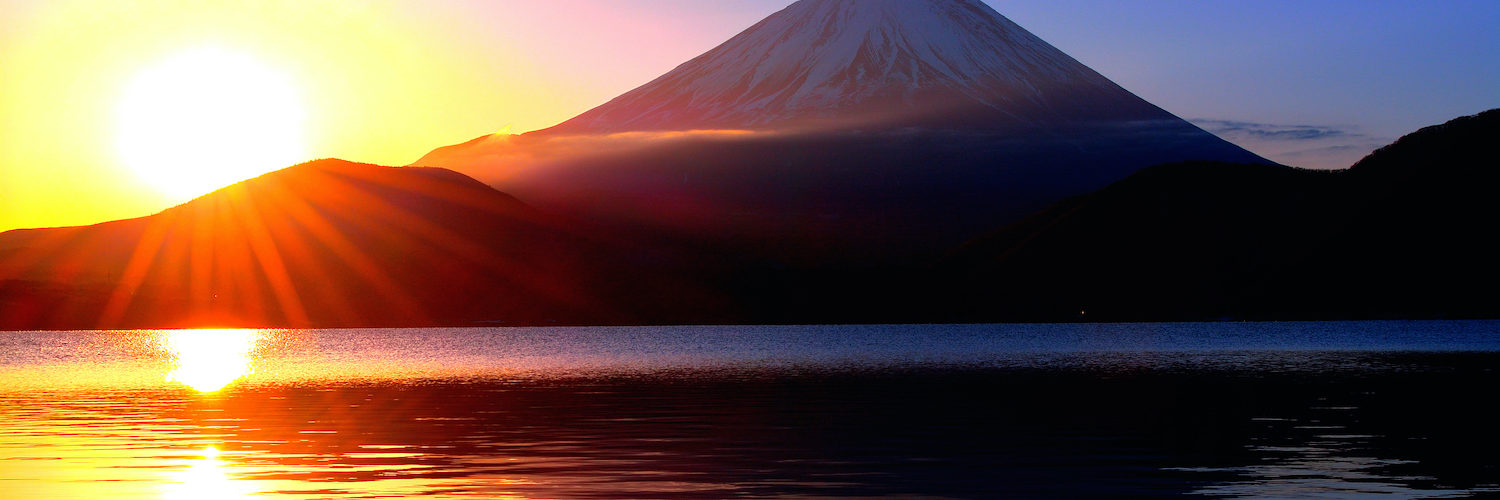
[850, 62]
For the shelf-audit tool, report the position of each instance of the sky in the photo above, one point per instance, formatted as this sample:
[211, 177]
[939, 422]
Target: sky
[1312, 83]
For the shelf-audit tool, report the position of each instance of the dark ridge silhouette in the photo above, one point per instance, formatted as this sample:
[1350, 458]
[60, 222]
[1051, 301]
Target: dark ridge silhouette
[330, 243]
[326, 243]
[1403, 233]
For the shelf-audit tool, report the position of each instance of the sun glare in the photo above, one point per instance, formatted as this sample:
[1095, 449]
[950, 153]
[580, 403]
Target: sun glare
[207, 118]
[209, 360]
[206, 476]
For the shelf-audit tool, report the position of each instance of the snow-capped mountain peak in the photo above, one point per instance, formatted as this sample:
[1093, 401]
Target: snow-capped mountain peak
[822, 62]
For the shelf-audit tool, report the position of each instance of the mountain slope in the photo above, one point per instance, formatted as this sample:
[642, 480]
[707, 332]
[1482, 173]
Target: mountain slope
[940, 63]
[327, 243]
[844, 132]
[1401, 233]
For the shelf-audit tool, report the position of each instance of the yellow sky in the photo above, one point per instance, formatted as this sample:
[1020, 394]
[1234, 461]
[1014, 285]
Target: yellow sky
[382, 82]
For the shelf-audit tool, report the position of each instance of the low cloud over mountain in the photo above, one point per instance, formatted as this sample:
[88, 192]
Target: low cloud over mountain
[1300, 145]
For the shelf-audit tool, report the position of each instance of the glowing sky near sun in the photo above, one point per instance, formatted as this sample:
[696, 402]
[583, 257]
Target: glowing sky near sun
[386, 81]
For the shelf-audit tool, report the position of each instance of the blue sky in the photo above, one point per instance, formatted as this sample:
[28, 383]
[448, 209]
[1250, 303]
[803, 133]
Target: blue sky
[1359, 72]
[1264, 73]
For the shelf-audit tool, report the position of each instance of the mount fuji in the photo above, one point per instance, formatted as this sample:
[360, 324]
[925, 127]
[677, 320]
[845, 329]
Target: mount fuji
[854, 132]
[938, 63]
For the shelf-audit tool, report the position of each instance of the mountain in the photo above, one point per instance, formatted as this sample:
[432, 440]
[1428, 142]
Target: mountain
[819, 63]
[814, 168]
[326, 243]
[1402, 233]
[329, 243]
[844, 132]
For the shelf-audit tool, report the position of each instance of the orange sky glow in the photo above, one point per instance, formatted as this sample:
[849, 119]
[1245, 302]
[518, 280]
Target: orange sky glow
[81, 135]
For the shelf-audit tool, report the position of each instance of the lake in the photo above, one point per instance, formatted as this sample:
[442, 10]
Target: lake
[1385, 409]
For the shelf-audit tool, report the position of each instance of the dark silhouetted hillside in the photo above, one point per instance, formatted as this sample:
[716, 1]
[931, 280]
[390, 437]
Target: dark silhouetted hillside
[326, 243]
[1406, 232]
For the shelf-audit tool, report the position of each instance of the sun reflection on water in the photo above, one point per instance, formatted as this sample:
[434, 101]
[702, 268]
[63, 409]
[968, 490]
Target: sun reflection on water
[209, 360]
[206, 476]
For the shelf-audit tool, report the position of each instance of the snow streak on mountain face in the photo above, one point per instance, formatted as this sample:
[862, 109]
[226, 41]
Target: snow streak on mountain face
[872, 62]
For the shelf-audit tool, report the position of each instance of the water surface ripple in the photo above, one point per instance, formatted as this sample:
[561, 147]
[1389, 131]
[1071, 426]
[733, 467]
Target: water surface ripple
[1217, 410]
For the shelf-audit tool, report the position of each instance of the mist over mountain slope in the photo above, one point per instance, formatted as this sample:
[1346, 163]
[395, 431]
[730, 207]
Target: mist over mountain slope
[881, 129]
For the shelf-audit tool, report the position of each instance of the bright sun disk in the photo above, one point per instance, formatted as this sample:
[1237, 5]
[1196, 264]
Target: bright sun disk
[207, 118]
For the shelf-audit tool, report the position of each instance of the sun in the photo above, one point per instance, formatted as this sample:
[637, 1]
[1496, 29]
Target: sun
[206, 118]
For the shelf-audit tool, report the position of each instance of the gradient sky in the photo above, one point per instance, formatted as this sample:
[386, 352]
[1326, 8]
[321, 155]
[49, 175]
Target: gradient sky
[1314, 83]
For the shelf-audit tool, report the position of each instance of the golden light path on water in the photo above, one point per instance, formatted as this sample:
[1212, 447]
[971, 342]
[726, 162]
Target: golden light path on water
[718, 412]
[205, 476]
[210, 360]
[207, 361]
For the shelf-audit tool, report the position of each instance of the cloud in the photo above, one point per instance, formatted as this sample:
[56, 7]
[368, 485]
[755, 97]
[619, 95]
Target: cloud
[1275, 132]
[1302, 145]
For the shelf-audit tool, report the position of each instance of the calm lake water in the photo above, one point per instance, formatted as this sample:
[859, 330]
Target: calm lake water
[1216, 410]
